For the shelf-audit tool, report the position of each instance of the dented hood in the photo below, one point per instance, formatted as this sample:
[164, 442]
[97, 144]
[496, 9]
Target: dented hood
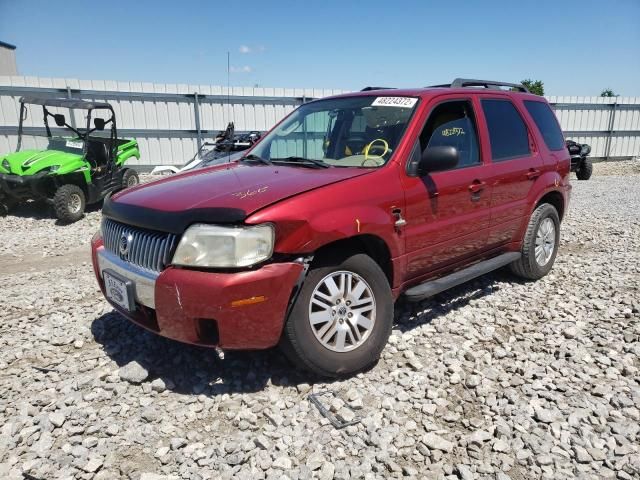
[222, 194]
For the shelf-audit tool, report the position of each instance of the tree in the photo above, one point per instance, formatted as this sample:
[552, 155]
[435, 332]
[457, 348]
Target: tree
[535, 86]
[607, 92]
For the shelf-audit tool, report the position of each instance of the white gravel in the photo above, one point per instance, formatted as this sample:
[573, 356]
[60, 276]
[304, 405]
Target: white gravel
[496, 379]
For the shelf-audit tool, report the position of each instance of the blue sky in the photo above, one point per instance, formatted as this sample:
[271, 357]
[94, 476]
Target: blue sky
[577, 47]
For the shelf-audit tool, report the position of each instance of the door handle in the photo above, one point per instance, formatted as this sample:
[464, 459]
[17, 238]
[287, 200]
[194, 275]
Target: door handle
[477, 186]
[533, 173]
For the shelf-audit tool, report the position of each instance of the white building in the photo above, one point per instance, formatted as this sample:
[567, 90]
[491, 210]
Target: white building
[8, 59]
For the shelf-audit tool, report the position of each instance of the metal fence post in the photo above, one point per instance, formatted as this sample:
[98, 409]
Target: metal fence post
[196, 114]
[71, 114]
[612, 119]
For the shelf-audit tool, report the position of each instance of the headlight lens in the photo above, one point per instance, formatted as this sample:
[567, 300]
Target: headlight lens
[5, 165]
[217, 246]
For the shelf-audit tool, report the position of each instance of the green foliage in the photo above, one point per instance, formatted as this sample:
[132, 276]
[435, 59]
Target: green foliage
[535, 86]
[607, 92]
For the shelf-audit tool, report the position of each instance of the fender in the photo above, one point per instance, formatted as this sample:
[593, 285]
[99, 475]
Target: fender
[358, 206]
[338, 224]
[132, 153]
[550, 181]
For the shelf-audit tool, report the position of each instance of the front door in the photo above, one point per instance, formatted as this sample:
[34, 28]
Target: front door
[447, 212]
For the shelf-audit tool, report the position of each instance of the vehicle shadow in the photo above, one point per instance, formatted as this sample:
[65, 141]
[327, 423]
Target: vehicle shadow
[189, 369]
[40, 210]
[410, 315]
[33, 210]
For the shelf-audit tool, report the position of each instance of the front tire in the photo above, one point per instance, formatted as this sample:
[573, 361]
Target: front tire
[585, 170]
[342, 317]
[69, 203]
[540, 244]
[130, 178]
[6, 205]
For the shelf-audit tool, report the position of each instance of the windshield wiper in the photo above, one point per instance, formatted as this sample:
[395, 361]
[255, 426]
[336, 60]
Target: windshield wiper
[257, 158]
[309, 162]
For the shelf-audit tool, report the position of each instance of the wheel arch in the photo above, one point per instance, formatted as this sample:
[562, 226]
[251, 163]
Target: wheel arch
[554, 198]
[74, 178]
[369, 244]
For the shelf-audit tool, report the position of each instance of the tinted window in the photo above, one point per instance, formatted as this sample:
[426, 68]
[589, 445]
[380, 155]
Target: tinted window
[507, 131]
[453, 124]
[546, 123]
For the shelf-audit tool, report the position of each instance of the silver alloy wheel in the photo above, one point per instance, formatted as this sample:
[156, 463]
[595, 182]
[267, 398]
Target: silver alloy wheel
[75, 203]
[342, 311]
[545, 241]
[131, 181]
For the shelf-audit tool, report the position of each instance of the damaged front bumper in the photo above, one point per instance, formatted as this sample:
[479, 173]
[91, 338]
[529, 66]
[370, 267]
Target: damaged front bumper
[238, 310]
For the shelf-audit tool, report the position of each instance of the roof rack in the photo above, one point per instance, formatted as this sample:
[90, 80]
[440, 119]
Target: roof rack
[493, 85]
[368, 89]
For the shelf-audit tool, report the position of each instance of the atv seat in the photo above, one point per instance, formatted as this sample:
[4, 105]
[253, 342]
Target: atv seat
[97, 152]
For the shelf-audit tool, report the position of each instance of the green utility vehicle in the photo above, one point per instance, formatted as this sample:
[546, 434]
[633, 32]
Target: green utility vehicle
[80, 165]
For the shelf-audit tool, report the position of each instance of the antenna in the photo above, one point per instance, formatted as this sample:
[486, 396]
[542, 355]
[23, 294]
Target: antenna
[228, 95]
[226, 114]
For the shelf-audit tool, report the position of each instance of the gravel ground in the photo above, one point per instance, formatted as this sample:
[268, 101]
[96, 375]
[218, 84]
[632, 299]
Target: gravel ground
[496, 379]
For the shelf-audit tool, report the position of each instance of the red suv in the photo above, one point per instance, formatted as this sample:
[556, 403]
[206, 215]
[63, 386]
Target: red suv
[347, 204]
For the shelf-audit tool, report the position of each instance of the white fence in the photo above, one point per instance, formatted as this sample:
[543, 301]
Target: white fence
[170, 120]
[611, 125]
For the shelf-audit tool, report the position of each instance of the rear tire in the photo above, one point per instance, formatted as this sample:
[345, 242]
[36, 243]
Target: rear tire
[69, 203]
[540, 244]
[351, 329]
[130, 178]
[585, 170]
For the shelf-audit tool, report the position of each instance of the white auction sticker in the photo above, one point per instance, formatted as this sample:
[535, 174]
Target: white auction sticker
[72, 144]
[402, 102]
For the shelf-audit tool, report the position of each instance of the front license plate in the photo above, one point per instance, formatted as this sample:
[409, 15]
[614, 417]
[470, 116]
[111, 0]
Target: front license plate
[119, 290]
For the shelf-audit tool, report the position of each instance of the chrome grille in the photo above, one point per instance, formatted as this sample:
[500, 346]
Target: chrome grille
[144, 248]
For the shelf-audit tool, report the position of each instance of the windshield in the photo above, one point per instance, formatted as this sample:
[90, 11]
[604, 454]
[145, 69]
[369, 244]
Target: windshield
[343, 132]
[68, 132]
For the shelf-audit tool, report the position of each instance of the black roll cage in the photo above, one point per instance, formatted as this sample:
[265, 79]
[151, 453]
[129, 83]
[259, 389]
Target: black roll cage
[71, 104]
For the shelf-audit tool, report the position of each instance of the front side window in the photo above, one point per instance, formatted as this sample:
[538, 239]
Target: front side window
[508, 133]
[547, 123]
[361, 131]
[453, 124]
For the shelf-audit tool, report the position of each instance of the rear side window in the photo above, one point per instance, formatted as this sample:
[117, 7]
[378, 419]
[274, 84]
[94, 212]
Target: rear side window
[507, 131]
[547, 124]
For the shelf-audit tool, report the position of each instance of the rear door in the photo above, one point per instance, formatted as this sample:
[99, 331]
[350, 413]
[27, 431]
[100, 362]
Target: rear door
[447, 212]
[516, 163]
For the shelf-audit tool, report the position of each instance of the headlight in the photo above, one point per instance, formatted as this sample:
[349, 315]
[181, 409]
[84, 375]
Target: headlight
[54, 168]
[217, 246]
[5, 165]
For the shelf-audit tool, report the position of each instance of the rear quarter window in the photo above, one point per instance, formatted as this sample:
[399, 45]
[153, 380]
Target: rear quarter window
[547, 123]
[508, 133]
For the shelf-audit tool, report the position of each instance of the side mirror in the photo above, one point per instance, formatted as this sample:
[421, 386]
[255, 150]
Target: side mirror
[435, 159]
[60, 120]
[98, 123]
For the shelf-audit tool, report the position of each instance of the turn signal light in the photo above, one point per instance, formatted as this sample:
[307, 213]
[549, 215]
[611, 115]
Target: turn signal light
[248, 301]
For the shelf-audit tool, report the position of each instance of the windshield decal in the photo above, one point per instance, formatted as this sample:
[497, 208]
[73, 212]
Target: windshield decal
[457, 131]
[402, 102]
